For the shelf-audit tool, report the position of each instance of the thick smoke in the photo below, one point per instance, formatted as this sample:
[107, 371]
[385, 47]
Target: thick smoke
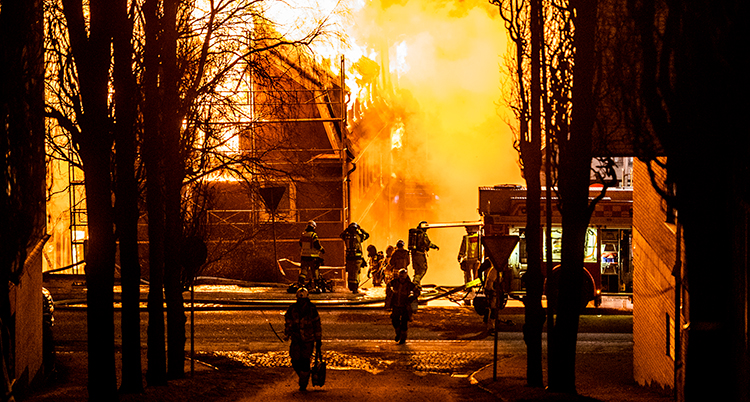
[447, 55]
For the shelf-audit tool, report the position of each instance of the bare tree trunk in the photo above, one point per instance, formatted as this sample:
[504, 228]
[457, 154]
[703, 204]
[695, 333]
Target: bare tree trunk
[532, 157]
[22, 210]
[156, 373]
[534, 280]
[157, 360]
[100, 263]
[529, 145]
[173, 175]
[548, 182]
[575, 163]
[173, 290]
[173, 287]
[126, 196]
[91, 50]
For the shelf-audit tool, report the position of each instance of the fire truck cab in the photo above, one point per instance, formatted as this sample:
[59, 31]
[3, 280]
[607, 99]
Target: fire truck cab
[608, 243]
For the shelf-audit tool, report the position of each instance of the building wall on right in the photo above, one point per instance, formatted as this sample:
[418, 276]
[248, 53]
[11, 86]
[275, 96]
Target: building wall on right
[654, 241]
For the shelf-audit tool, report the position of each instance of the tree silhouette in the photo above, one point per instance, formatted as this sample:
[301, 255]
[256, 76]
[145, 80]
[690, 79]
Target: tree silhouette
[523, 21]
[22, 223]
[683, 84]
[127, 195]
[173, 63]
[548, 61]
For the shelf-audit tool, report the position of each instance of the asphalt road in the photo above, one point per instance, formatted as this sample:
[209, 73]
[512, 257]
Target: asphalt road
[245, 329]
[448, 340]
[238, 356]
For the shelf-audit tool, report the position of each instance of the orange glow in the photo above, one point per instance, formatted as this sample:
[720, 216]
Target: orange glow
[445, 60]
[447, 55]
[397, 134]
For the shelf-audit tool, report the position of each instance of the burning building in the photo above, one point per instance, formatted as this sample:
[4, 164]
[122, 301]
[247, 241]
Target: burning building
[414, 147]
[389, 194]
[296, 132]
[282, 161]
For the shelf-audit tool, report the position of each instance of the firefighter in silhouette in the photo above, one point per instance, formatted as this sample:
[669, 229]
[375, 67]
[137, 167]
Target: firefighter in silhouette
[468, 255]
[310, 260]
[353, 236]
[302, 326]
[419, 244]
[400, 294]
[388, 272]
[376, 270]
[400, 258]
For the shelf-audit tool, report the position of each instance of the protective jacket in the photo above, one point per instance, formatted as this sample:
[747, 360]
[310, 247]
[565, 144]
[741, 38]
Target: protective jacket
[310, 244]
[469, 248]
[419, 241]
[302, 322]
[401, 293]
[399, 259]
[353, 238]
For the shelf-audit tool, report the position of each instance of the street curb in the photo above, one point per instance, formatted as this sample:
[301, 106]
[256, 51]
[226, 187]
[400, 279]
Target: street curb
[281, 304]
[475, 382]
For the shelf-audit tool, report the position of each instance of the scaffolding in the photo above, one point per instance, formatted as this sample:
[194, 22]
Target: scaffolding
[330, 112]
[327, 109]
[78, 215]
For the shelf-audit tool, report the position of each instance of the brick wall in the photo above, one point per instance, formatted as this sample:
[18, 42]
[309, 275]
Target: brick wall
[653, 283]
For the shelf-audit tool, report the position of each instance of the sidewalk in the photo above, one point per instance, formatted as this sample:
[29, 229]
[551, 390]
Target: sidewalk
[599, 377]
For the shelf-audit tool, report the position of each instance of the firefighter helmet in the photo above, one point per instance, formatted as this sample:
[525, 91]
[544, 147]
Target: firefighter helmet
[422, 225]
[312, 224]
[302, 293]
[402, 272]
[354, 225]
[400, 243]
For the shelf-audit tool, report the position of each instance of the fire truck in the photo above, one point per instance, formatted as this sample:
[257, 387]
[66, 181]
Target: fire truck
[608, 242]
